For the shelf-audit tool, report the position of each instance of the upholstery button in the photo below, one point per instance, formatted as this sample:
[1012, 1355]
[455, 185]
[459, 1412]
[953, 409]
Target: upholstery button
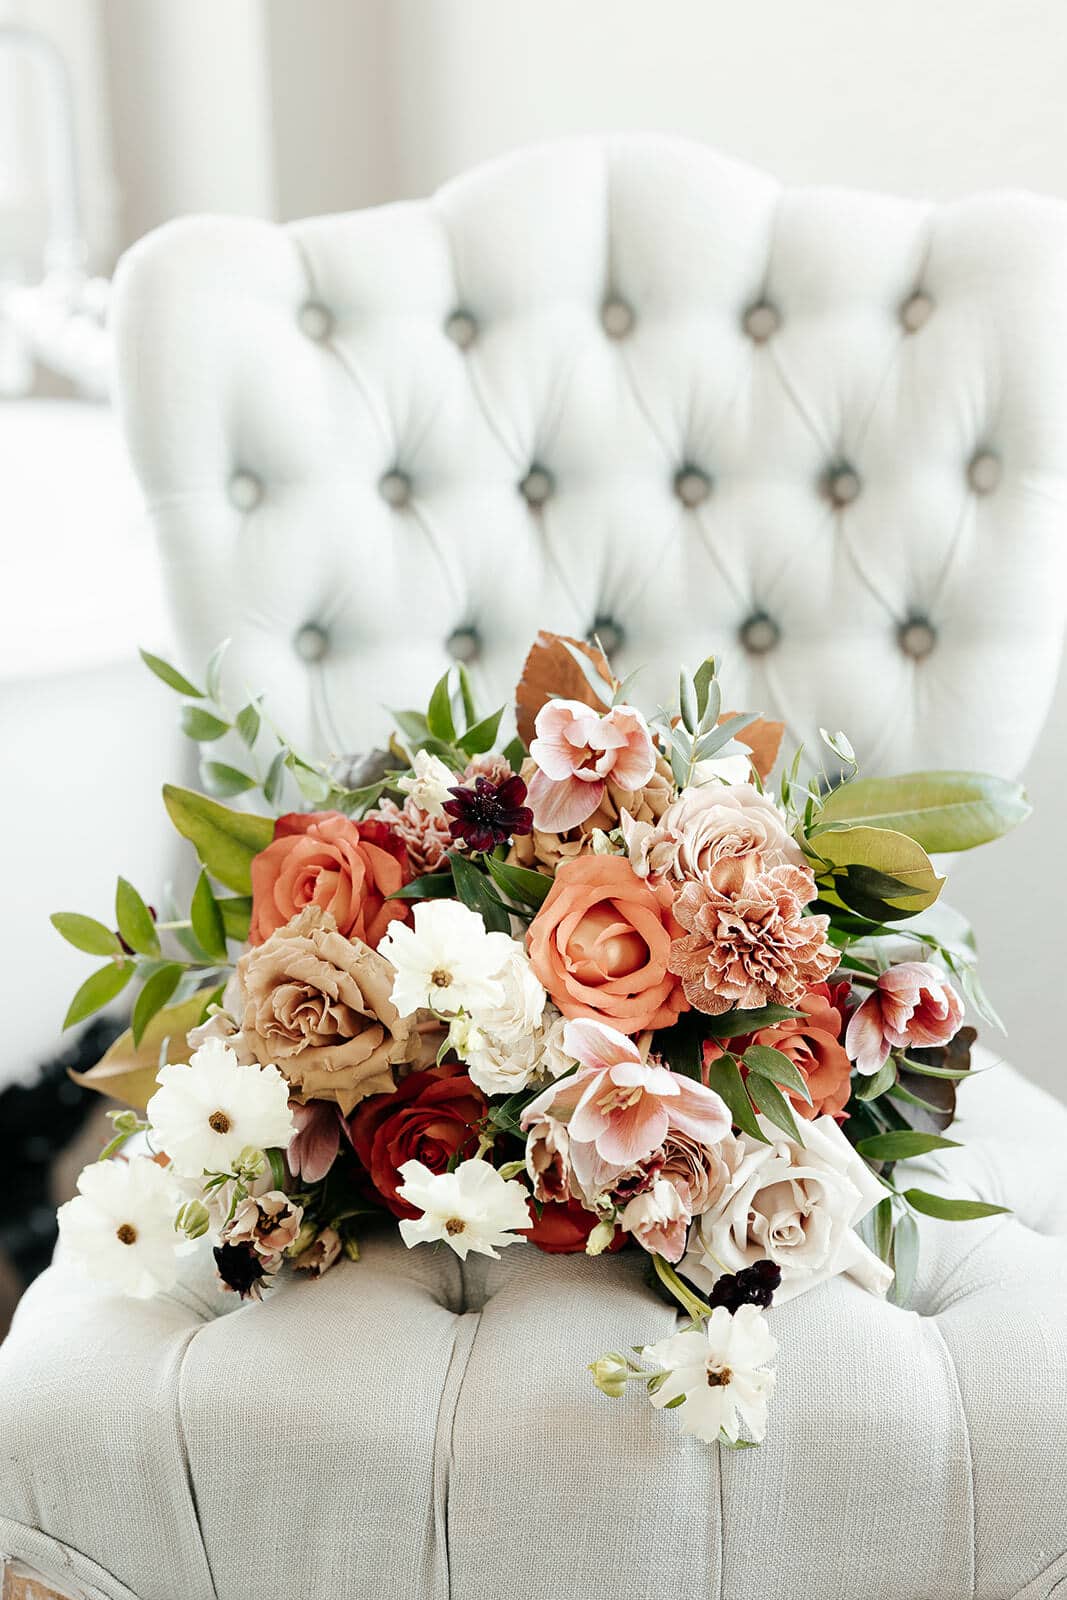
[692, 486]
[617, 318]
[843, 484]
[915, 311]
[537, 486]
[610, 633]
[761, 321]
[916, 637]
[245, 491]
[759, 633]
[462, 329]
[315, 320]
[464, 644]
[983, 474]
[395, 489]
[311, 642]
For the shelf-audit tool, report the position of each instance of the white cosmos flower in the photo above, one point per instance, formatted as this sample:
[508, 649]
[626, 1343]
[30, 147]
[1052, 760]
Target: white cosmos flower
[472, 1208]
[119, 1228]
[208, 1110]
[430, 783]
[722, 1370]
[447, 962]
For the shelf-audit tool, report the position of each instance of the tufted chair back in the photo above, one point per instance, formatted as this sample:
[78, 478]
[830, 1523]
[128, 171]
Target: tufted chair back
[620, 384]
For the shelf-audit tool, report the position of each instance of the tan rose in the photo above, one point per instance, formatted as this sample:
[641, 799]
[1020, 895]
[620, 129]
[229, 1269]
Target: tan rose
[317, 1005]
[647, 805]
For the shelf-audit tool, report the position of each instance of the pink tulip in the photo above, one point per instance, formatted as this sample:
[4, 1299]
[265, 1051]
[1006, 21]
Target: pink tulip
[659, 1219]
[912, 1004]
[313, 1147]
[617, 1108]
[577, 750]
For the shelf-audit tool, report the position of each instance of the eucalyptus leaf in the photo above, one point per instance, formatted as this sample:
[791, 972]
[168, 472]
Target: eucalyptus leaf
[135, 921]
[274, 782]
[721, 734]
[600, 687]
[223, 780]
[687, 700]
[247, 723]
[314, 786]
[225, 840]
[902, 1144]
[206, 918]
[939, 1205]
[201, 725]
[85, 933]
[214, 669]
[942, 811]
[171, 676]
[98, 990]
[154, 996]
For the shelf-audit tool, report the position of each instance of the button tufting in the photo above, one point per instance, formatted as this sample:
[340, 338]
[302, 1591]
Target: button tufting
[916, 637]
[537, 486]
[311, 642]
[464, 644]
[245, 491]
[762, 321]
[759, 633]
[610, 633]
[692, 486]
[915, 312]
[395, 488]
[315, 320]
[842, 484]
[983, 474]
[617, 318]
[462, 329]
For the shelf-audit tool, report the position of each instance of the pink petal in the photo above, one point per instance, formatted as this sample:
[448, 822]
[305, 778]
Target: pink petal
[596, 1045]
[313, 1148]
[634, 1133]
[654, 1080]
[559, 806]
[865, 1043]
[699, 1112]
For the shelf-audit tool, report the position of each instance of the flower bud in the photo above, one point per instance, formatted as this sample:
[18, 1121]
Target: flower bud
[600, 1238]
[126, 1122]
[251, 1163]
[610, 1373]
[193, 1219]
[304, 1239]
[350, 1247]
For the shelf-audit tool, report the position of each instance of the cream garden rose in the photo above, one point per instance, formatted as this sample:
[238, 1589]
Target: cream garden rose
[720, 833]
[795, 1205]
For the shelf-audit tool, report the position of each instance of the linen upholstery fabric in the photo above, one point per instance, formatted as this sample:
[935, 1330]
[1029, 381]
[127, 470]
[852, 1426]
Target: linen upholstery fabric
[414, 1427]
[812, 430]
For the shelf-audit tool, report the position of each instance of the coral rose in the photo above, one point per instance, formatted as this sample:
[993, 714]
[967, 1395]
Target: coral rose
[754, 948]
[912, 1004]
[431, 1117]
[601, 944]
[321, 858]
[318, 1006]
[722, 833]
[646, 805]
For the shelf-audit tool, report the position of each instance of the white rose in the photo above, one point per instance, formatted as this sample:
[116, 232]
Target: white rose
[796, 1206]
[520, 1040]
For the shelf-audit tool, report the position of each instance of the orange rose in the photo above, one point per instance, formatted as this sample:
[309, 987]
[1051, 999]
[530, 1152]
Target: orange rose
[321, 858]
[601, 942]
[813, 1044]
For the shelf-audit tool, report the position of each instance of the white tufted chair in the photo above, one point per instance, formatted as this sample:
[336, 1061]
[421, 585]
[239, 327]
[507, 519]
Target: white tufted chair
[621, 383]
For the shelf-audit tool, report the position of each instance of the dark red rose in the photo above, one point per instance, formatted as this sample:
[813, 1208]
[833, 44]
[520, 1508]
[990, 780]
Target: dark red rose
[564, 1226]
[431, 1117]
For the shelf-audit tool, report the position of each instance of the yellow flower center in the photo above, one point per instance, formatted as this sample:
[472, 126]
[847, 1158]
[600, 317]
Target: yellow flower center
[126, 1233]
[440, 978]
[219, 1122]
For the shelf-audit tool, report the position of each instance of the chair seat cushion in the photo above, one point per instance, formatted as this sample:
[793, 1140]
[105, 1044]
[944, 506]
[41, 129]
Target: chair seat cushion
[411, 1426]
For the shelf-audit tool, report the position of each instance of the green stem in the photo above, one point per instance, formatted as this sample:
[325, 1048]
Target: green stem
[690, 1303]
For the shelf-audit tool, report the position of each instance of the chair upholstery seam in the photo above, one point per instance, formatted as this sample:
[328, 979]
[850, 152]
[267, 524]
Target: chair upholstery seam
[970, 1452]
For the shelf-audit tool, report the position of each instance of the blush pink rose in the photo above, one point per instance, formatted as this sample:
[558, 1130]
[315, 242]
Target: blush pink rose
[912, 1004]
[577, 750]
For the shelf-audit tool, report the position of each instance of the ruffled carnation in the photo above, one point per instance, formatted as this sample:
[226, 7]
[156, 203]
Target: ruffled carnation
[754, 948]
[425, 835]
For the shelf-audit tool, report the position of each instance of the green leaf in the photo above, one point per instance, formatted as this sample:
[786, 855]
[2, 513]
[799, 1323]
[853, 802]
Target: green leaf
[877, 1227]
[726, 1080]
[201, 725]
[313, 785]
[171, 676]
[431, 886]
[939, 1205]
[128, 1071]
[223, 780]
[515, 753]
[135, 920]
[905, 1257]
[687, 702]
[733, 1023]
[932, 1072]
[473, 889]
[773, 1064]
[214, 669]
[877, 1084]
[206, 917]
[903, 1143]
[412, 725]
[769, 1099]
[439, 712]
[225, 840]
[470, 715]
[274, 782]
[482, 736]
[703, 678]
[236, 912]
[721, 734]
[85, 933]
[277, 1168]
[942, 811]
[526, 888]
[154, 996]
[845, 858]
[98, 990]
[247, 723]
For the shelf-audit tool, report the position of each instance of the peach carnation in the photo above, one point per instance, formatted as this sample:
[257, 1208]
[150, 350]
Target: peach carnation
[754, 948]
[425, 837]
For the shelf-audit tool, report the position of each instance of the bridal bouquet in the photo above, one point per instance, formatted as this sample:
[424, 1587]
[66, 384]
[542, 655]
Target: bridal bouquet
[603, 988]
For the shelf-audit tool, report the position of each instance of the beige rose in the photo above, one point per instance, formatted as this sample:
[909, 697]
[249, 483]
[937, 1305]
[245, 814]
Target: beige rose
[720, 833]
[647, 805]
[317, 1005]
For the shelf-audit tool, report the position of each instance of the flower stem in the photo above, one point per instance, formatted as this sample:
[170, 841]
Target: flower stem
[690, 1303]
